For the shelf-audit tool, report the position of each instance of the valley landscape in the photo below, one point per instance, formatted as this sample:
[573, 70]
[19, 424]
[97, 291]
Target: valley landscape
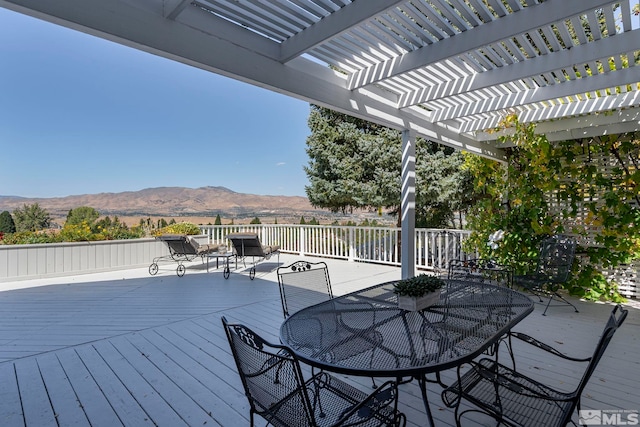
[197, 205]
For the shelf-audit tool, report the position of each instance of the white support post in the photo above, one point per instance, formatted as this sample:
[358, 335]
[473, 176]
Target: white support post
[352, 244]
[303, 238]
[408, 204]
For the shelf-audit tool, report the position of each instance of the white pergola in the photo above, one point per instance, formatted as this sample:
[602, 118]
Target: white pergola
[445, 70]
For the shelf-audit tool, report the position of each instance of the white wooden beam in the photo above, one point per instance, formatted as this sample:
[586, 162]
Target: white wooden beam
[587, 108]
[333, 25]
[565, 89]
[173, 8]
[597, 50]
[520, 22]
[612, 129]
[224, 30]
[621, 121]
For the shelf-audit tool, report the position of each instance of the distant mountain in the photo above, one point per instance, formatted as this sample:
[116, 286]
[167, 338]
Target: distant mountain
[170, 201]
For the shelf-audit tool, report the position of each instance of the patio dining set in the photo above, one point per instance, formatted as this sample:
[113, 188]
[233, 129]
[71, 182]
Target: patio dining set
[300, 380]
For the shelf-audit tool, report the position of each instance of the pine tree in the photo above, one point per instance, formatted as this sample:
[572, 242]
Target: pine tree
[31, 218]
[6, 223]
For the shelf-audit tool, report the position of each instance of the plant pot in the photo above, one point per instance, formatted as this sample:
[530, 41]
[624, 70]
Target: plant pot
[418, 303]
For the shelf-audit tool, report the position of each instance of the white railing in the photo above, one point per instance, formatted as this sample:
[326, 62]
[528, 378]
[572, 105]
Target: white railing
[434, 247]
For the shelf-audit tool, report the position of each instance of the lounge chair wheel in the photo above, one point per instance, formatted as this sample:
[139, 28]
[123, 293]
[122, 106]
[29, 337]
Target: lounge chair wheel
[226, 272]
[181, 270]
[252, 273]
[153, 269]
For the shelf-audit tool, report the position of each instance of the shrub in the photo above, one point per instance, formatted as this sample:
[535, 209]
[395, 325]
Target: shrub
[179, 228]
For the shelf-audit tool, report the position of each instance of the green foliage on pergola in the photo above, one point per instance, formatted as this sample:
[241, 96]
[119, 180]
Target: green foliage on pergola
[586, 188]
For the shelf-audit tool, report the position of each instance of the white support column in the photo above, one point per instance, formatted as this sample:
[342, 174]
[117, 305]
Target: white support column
[408, 204]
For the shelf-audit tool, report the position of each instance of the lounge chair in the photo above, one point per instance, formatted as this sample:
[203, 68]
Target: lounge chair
[182, 248]
[248, 245]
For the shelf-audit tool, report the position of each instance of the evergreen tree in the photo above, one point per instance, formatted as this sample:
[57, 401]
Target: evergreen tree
[255, 220]
[302, 222]
[353, 163]
[31, 218]
[218, 220]
[82, 214]
[6, 223]
[357, 164]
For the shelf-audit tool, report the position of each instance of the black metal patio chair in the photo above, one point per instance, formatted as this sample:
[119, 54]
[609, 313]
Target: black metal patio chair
[305, 283]
[552, 269]
[277, 391]
[480, 270]
[487, 271]
[302, 284]
[515, 399]
[446, 248]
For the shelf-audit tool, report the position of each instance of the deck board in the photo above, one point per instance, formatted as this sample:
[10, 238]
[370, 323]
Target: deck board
[91, 396]
[158, 372]
[33, 395]
[10, 406]
[151, 402]
[66, 404]
[144, 351]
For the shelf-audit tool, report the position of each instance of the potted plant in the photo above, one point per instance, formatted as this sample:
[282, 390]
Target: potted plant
[419, 292]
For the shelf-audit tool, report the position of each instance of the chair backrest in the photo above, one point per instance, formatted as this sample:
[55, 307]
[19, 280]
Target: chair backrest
[269, 374]
[302, 284]
[480, 270]
[447, 248]
[246, 244]
[179, 244]
[556, 258]
[615, 321]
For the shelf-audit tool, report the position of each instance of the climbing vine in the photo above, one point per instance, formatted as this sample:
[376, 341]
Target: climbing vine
[544, 189]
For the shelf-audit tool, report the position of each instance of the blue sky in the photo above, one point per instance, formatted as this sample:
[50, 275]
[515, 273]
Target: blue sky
[82, 115]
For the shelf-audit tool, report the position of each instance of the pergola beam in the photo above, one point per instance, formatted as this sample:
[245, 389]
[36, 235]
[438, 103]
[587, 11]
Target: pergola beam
[333, 25]
[609, 46]
[570, 88]
[530, 18]
[561, 111]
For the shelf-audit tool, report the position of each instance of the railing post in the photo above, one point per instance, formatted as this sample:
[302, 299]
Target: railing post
[351, 241]
[303, 238]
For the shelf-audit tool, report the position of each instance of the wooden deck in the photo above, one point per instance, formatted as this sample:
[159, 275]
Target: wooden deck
[125, 348]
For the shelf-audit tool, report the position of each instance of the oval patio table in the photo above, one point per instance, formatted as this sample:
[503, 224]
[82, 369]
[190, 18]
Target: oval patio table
[364, 333]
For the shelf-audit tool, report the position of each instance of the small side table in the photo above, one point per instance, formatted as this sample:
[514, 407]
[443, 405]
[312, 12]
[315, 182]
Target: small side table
[226, 256]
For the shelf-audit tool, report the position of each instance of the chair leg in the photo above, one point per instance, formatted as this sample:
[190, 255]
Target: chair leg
[560, 297]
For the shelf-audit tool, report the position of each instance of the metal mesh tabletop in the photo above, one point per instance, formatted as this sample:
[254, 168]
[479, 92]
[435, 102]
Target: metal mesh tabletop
[365, 333]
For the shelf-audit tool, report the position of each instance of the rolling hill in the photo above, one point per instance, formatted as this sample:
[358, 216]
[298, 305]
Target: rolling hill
[172, 202]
